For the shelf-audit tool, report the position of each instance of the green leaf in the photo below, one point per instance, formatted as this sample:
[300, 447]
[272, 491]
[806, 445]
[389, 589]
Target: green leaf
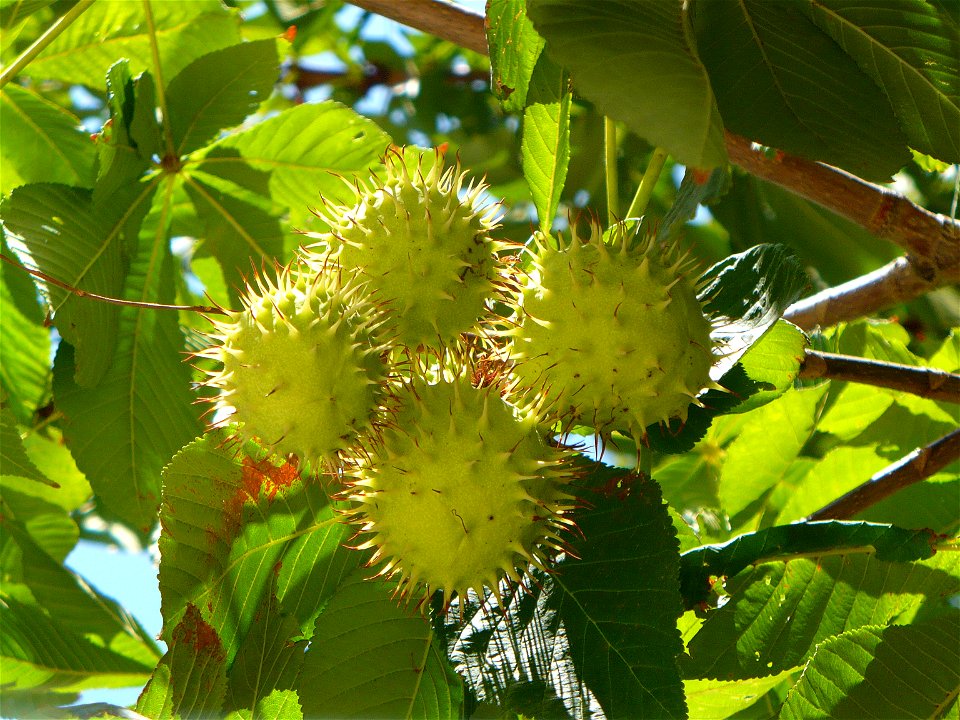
[42, 142]
[876, 672]
[13, 458]
[218, 90]
[760, 459]
[842, 469]
[191, 679]
[124, 430]
[779, 612]
[370, 657]
[718, 699]
[295, 157]
[280, 705]
[242, 228]
[796, 91]
[13, 12]
[184, 30]
[545, 148]
[70, 240]
[514, 50]
[635, 61]
[911, 50]
[24, 343]
[890, 543]
[39, 650]
[268, 658]
[773, 363]
[129, 141]
[619, 603]
[235, 528]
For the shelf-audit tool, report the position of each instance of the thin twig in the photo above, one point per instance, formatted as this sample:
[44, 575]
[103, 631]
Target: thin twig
[922, 381]
[610, 170]
[917, 466]
[205, 309]
[932, 241]
[647, 183]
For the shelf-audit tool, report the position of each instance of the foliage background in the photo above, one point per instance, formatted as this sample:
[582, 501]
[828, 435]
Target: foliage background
[239, 161]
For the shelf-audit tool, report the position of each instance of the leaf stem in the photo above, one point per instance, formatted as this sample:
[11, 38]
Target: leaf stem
[610, 166]
[41, 43]
[647, 183]
[158, 73]
[206, 309]
[922, 381]
[912, 468]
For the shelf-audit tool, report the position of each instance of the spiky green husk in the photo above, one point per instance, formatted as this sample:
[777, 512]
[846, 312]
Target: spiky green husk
[611, 336]
[425, 250]
[303, 364]
[461, 491]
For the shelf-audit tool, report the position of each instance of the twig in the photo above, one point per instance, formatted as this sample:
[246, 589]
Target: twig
[42, 42]
[436, 17]
[205, 309]
[647, 183]
[610, 168]
[932, 241]
[917, 466]
[924, 382]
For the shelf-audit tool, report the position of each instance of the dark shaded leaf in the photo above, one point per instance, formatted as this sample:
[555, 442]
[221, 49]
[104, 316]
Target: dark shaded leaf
[888, 542]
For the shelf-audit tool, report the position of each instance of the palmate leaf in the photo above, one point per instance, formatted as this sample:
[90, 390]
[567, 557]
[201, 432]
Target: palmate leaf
[697, 566]
[218, 90]
[236, 528]
[125, 429]
[295, 157]
[42, 142]
[911, 50]
[796, 90]
[65, 237]
[878, 673]
[514, 49]
[778, 612]
[184, 30]
[371, 657]
[242, 227]
[611, 45]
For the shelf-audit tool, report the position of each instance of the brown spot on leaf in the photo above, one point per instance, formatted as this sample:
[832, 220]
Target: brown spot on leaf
[195, 631]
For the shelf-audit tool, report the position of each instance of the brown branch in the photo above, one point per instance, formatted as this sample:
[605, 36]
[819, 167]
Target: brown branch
[895, 282]
[932, 241]
[206, 309]
[436, 17]
[924, 382]
[917, 466]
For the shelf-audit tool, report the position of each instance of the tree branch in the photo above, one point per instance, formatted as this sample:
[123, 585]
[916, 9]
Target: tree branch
[932, 241]
[435, 17]
[924, 382]
[917, 466]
